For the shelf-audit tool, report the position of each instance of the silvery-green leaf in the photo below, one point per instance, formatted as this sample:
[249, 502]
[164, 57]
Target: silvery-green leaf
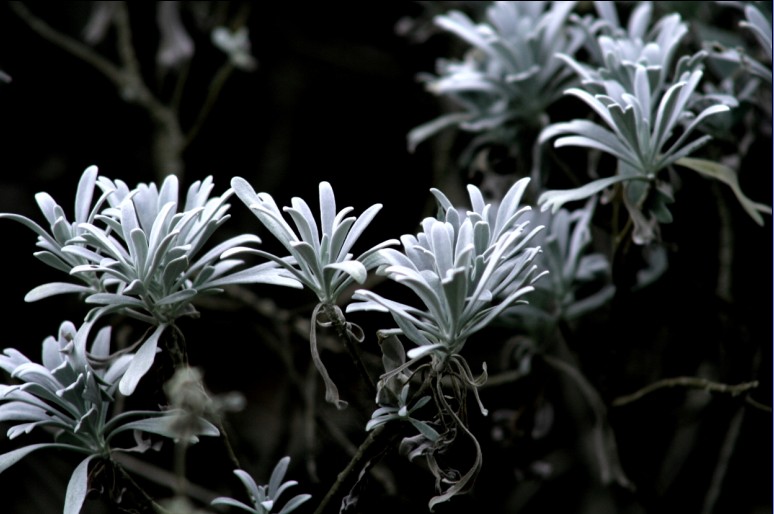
[249, 484]
[173, 270]
[590, 303]
[82, 252]
[557, 198]
[51, 259]
[357, 229]
[47, 206]
[727, 176]
[371, 258]
[509, 205]
[354, 269]
[97, 237]
[264, 273]
[272, 219]
[327, 208]
[413, 331]
[230, 502]
[84, 193]
[421, 351]
[177, 297]
[424, 131]
[425, 286]
[199, 192]
[158, 253]
[594, 103]
[54, 288]
[32, 372]
[25, 428]
[426, 430]
[294, 503]
[376, 302]
[709, 111]
[32, 226]
[277, 475]
[759, 25]
[163, 426]
[486, 316]
[139, 250]
[218, 250]
[141, 363]
[8, 459]
[77, 487]
[18, 411]
[114, 299]
[62, 230]
[160, 227]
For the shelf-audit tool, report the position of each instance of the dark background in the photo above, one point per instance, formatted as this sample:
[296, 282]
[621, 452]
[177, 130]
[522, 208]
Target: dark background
[333, 97]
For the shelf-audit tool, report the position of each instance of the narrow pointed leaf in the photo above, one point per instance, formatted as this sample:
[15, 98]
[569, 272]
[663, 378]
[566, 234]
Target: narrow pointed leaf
[141, 363]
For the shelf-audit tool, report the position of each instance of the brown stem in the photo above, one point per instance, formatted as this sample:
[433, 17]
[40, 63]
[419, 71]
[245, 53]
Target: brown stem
[689, 382]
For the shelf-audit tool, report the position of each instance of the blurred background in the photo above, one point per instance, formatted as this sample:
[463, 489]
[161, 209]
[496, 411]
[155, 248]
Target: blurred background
[329, 91]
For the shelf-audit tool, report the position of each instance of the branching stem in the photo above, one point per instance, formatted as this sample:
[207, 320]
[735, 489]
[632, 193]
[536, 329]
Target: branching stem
[689, 382]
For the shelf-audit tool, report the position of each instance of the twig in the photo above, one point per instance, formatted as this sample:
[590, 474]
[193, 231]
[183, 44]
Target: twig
[721, 468]
[725, 247]
[354, 464]
[749, 400]
[213, 92]
[158, 475]
[607, 451]
[505, 377]
[690, 382]
[168, 140]
[75, 47]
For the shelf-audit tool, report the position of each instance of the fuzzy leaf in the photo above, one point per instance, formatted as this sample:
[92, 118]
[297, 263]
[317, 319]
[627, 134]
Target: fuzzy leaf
[8, 459]
[727, 176]
[557, 198]
[141, 363]
[54, 288]
[77, 487]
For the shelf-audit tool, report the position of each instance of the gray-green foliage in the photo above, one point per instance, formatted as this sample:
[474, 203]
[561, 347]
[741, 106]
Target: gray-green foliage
[466, 268]
[758, 21]
[71, 395]
[458, 265]
[511, 73]
[565, 293]
[141, 253]
[319, 258]
[651, 107]
[264, 498]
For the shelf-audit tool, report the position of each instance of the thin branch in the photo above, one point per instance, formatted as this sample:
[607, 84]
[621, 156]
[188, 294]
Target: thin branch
[168, 141]
[724, 458]
[689, 382]
[506, 377]
[158, 475]
[75, 47]
[213, 92]
[607, 451]
[725, 247]
[354, 464]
